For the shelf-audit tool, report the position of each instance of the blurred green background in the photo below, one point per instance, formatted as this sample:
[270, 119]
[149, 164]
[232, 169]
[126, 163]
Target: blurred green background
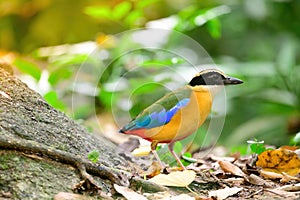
[56, 46]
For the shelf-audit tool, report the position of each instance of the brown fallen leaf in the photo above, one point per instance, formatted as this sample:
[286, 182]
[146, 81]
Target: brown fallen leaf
[224, 193]
[176, 179]
[128, 193]
[256, 180]
[235, 181]
[153, 170]
[270, 175]
[273, 174]
[231, 168]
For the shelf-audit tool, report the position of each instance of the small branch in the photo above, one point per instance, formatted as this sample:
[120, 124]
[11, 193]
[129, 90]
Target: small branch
[31, 147]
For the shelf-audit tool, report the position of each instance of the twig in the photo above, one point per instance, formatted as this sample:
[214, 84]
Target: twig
[31, 147]
[272, 191]
[255, 193]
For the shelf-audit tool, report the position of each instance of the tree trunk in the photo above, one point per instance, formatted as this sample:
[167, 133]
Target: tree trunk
[43, 152]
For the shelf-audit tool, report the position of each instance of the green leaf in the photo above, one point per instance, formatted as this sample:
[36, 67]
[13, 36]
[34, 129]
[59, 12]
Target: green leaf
[146, 88]
[257, 148]
[93, 156]
[28, 68]
[98, 11]
[286, 58]
[214, 28]
[61, 73]
[121, 10]
[73, 59]
[52, 98]
[242, 149]
[162, 63]
[107, 98]
[188, 157]
[145, 3]
[296, 139]
[132, 17]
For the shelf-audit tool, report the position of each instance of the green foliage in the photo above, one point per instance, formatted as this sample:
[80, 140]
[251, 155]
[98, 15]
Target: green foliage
[257, 148]
[193, 17]
[52, 98]
[259, 46]
[165, 155]
[270, 97]
[131, 13]
[296, 139]
[28, 68]
[94, 156]
[106, 98]
[242, 149]
[187, 157]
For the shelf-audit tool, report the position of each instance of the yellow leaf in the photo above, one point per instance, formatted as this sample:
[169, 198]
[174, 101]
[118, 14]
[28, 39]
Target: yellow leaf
[176, 179]
[141, 151]
[281, 160]
[106, 41]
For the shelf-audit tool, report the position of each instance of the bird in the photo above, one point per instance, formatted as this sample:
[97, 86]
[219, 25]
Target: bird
[179, 113]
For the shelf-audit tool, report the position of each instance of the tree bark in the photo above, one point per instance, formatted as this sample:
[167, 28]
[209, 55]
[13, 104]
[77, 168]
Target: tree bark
[43, 152]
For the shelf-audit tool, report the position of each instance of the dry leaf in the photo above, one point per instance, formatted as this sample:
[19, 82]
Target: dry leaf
[270, 175]
[128, 193]
[231, 168]
[142, 151]
[158, 195]
[235, 181]
[256, 180]
[287, 178]
[283, 194]
[224, 193]
[282, 160]
[70, 196]
[167, 196]
[153, 170]
[177, 179]
[182, 197]
[222, 158]
[290, 188]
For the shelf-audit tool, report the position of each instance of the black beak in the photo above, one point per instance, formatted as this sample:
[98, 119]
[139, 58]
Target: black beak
[232, 81]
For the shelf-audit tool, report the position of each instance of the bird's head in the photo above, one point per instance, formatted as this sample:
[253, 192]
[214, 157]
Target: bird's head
[213, 77]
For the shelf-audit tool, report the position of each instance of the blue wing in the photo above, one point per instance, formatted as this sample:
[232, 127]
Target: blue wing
[161, 112]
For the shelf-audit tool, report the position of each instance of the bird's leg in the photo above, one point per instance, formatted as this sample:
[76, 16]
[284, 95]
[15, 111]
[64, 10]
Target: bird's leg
[153, 149]
[171, 146]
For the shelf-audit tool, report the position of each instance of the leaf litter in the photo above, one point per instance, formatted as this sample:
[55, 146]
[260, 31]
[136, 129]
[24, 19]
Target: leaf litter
[274, 174]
